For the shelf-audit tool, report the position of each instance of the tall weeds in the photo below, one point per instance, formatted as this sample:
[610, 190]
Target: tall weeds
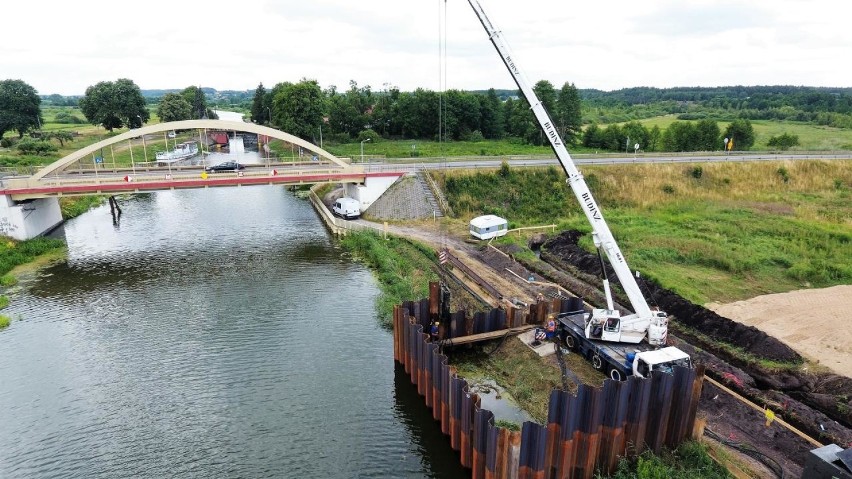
[404, 268]
[733, 231]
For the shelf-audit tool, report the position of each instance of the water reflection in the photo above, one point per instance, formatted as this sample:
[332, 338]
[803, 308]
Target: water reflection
[432, 446]
[217, 333]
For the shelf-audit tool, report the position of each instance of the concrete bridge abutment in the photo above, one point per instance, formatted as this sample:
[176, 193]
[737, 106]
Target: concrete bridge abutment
[372, 188]
[28, 219]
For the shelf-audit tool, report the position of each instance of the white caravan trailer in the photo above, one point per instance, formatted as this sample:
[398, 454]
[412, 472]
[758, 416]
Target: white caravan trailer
[488, 226]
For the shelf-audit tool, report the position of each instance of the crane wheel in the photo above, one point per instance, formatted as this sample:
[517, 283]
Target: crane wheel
[597, 362]
[616, 375]
[570, 342]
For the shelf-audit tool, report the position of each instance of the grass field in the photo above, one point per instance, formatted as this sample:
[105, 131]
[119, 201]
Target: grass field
[811, 137]
[431, 149]
[737, 231]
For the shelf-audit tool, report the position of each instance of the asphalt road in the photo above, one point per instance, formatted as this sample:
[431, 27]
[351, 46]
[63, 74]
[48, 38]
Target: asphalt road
[533, 161]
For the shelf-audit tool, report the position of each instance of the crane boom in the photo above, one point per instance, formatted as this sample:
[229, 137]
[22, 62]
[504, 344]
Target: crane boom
[643, 317]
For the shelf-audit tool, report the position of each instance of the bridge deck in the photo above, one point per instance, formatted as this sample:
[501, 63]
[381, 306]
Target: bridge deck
[128, 182]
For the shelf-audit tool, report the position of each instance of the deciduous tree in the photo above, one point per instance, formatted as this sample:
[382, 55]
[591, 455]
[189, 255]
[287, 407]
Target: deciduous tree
[298, 108]
[20, 107]
[174, 107]
[742, 133]
[60, 135]
[114, 104]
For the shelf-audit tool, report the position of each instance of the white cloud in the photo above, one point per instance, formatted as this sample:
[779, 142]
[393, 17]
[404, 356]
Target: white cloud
[63, 47]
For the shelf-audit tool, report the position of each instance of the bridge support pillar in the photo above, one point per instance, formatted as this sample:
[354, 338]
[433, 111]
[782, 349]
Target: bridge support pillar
[27, 219]
[371, 190]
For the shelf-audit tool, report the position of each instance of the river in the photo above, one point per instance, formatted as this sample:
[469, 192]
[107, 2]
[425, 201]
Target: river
[213, 333]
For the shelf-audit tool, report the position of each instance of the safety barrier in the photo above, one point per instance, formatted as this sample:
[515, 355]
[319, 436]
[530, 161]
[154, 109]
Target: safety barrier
[585, 433]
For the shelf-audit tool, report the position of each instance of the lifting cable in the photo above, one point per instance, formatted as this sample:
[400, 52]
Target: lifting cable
[442, 41]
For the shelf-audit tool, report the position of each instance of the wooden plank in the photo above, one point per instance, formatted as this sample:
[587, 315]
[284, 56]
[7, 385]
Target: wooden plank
[762, 410]
[474, 338]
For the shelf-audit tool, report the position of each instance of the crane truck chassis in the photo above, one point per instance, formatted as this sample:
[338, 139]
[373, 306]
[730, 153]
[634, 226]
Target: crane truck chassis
[616, 360]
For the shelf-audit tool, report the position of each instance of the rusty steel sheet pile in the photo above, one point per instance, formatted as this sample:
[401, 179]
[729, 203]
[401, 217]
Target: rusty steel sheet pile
[585, 433]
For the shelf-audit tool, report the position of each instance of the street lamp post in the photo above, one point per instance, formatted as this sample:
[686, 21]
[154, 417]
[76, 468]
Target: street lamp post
[362, 148]
[269, 116]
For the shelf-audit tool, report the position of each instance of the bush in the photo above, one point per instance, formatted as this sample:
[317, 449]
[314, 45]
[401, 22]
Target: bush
[475, 135]
[509, 425]
[668, 189]
[784, 174]
[67, 118]
[6, 142]
[4, 321]
[783, 141]
[369, 134]
[8, 280]
[4, 301]
[37, 147]
[696, 172]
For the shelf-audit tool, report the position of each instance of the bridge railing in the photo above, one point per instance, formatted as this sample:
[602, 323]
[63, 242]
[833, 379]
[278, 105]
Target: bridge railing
[126, 177]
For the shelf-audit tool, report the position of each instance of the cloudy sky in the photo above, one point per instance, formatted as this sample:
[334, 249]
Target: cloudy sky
[62, 46]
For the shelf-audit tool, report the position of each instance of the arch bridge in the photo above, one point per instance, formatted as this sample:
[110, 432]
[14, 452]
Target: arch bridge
[87, 171]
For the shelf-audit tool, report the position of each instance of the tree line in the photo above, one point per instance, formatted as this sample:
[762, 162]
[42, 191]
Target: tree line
[702, 135]
[306, 110]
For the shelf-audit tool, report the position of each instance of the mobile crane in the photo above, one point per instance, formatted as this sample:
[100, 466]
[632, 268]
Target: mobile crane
[595, 334]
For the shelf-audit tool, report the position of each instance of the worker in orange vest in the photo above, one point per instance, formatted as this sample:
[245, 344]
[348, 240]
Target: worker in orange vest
[550, 329]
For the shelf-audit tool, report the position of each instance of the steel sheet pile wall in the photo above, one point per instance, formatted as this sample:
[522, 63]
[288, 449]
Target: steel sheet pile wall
[585, 433]
[494, 320]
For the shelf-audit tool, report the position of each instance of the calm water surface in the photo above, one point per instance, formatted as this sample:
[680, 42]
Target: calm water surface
[214, 333]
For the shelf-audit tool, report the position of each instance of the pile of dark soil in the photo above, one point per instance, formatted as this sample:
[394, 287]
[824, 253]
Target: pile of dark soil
[564, 249]
[819, 404]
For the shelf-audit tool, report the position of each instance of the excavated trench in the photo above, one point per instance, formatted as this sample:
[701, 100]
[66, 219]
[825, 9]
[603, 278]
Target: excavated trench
[817, 403]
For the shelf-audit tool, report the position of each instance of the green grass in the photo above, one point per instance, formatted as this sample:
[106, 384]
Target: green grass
[516, 369]
[811, 137]
[432, 149]
[75, 206]
[14, 253]
[767, 365]
[509, 425]
[751, 252]
[737, 232]
[404, 268]
[4, 321]
[690, 460]
[4, 301]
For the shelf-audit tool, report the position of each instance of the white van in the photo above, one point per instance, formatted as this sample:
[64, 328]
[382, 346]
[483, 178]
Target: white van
[488, 226]
[347, 208]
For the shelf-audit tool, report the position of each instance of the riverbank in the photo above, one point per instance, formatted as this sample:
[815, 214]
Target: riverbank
[524, 376]
[20, 257]
[16, 256]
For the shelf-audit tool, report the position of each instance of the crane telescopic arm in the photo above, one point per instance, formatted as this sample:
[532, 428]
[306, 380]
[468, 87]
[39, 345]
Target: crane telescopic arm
[575, 178]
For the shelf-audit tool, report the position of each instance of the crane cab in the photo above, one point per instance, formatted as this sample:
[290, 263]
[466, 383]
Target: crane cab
[664, 360]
